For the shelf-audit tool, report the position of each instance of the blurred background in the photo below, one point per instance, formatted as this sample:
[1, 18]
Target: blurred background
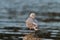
[13, 14]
